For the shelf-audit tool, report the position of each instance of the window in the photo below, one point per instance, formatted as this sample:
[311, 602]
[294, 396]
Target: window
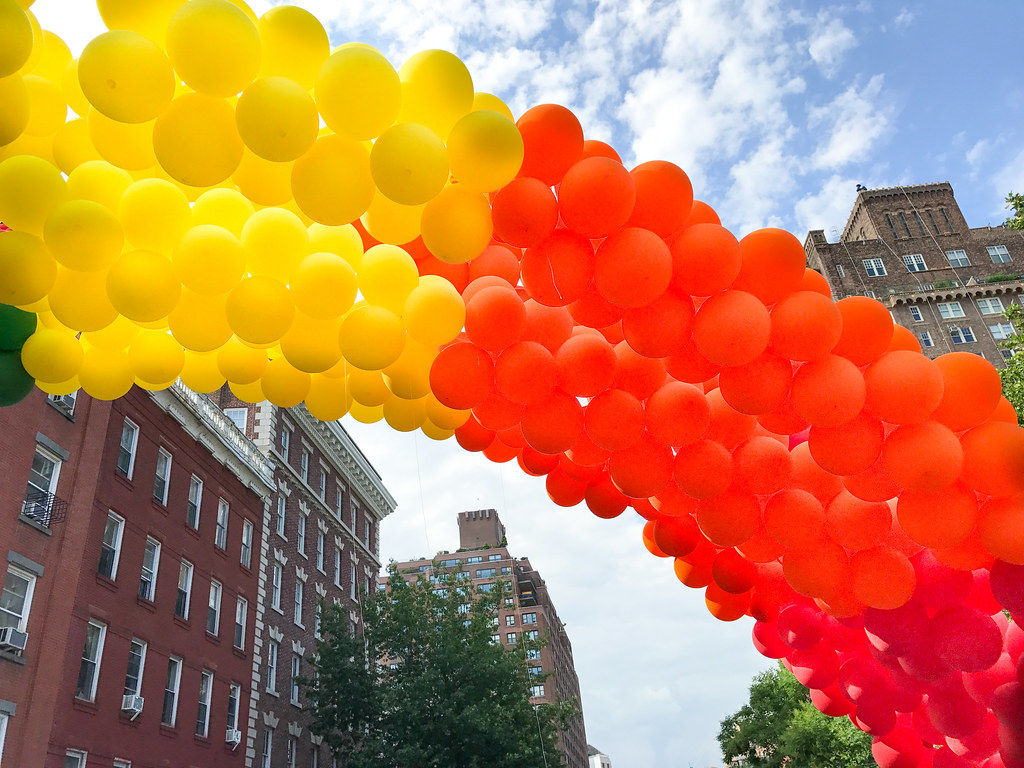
[472, 560]
[213, 611]
[296, 671]
[286, 441]
[246, 557]
[529, 618]
[241, 608]
[533, 654]
[268, 739]
[300, 536]
[509, 602]
[195, 501]
[495, 639]
[293, 747]
[998, 254]
[840, 272]
[169, 713]
[950, 309]
[536, 691]
[536, 671]
[352, 581]
[920, 224]
[162, 479]
[238, 416]
[339, 495]
[487, 587]
[203, 710]
[276, 572]
[314, 757]
[931, 219]
[949, 224]
[234, 697]
[492, 558]
[484, 573]
[505, 570]
[892, 227]
[150, 566]
[300, 589]
[915, 262]
[337, 567]
[280, 519]
[221, 537]
[16, 598]
[958, 258]
[110, 549]
[511, 637]
[323, 484]
[926, 340]
[990, 306]
[874, 267]
[964, 335]
[126, 452]
[272, 647]
[304, 465]
[463, 608]
[42, 482]
[903, 221]
[122, 764]
[450, 563]
[915, 314]
[321, 540]
[510, 620]
[533, 634]
[75, 758]
[92, 653]
[1001, 331]
[184, 597]
[366, 531]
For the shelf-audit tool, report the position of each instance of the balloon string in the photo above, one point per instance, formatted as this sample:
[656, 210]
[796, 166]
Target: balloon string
[419, 478]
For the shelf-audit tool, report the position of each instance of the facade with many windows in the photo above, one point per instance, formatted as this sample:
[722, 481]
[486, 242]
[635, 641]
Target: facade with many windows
[911, 248]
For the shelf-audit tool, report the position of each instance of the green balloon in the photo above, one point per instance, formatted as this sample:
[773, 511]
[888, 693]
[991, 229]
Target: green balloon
[16, 325]
[15, 383]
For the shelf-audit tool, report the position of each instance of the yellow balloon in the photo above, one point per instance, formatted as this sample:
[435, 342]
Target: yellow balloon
[156, 357]
[198, 322]
[83, 235]
[72, 145]
[434, 311]
[277, 119]
[72, 90]
[295, 44]
[154, 214]
[213, 46]
[409, 376]
[100, 182]
[392, 223]
[47, 108]
[366, 414]
[343, 241]
[30, 188]
[262, 181]
[38, 41]
[275, 242]
[283, 385]
[484, 100]
[404, 415]
[387, 277]
[47, 319]
[106, 374]
[15, 38]
[435, 432]
[456, 225]
[358, 92]
[437, 90]
[60, 388]
[260, 310]
[141, 384]
[371, 337]
[27, 270]
[409, 164]
[368, 387]
[239, 363]
[248, 393]
[54, 56]
[445, 418]
[51, 356]
[200, 373]
[79, 300]
[209, 259]
[126, 76]
[196, 140]
[328, 399]
[311, 344]
[117, 335]
[324, 286]
[14, 116]
[224, 208]
[337, 371]
[331, 183]
[37, 146]
[485, 150]
[148, 17]
[126, 145]
[142, 285]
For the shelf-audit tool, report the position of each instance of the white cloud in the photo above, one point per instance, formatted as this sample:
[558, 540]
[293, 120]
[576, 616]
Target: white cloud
[852, 122]
[830, 40]
[828, 208]
[904, 18]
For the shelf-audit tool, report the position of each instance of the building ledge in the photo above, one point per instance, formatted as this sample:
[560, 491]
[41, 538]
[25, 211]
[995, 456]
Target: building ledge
[44, 529]
[14, 658]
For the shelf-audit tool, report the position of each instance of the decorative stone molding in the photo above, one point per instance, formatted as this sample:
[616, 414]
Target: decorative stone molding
[270, 719]
[282, 487]
[320, 589]
[301, 574]
[322, 525]
[353, 616]
[279, 556]
[298, 648]
[294, 729]
[275, 634]
[339, 542]
[337, 601]
[317, 740]
[303, 507]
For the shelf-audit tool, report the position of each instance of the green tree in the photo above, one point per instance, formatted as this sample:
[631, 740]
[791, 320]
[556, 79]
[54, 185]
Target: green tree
[1013, 374]
[424, 686]
[1015, 203]
[779, 724]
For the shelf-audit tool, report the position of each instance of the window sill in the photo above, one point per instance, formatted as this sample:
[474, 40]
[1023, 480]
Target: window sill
[168, 730]
[202, 741]
[220, 551]
[146, 603]
[212, 638]
[182, 621]
[281, 536]
[14, 658]
[239, 652]
[276, 609]
[124, 479]
[123, 718]
[69, 415]
[44, 529]
[275, 694]
[296, 704]
[106, 582]
[159, 506]
[194, 532]
[85, 706]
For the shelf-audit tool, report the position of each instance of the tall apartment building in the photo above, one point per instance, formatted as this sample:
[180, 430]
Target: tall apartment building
[528, 612]
[322, 543]
[911, 248]
[132, 532]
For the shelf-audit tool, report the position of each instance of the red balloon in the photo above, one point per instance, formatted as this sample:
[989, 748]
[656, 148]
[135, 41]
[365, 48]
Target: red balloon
[761, 466]
[525, 372]
[554, 425]
[586, 365]
[784, 420]
[497, 412]
[594, 310]
[672, 501]
[536, 463]
[499, 452]
[664, 197]
[677, 414]
[867, 330]
[731, 328]
[758, 387]
[922, 457]
[473, 437]
[524, 212]
[461, 376]
[694, 570]
[494, 318]
[847, 449]
[689, 365]
[767, 642]
[724, 606]
[496, 260]
[994, 458]
[559, 269]
[940, 519]
[856, 524]
[829, 391]
[831, 702]
[732, 572]
[614, 419]
[705, 259]
[604, 499]
[805, 326]
[728, 427]
[486, 281]
[730, 518]
[808, 476]
[642, 470]
[456, 274]
[873, 484]
[563, 490]
[633, 267]
[795, 519]
[585, 453]
[1001, 526]
[595, 148]
[703, 469]
[662, 327]
[883, 578]
[903, 387]
[772, 264]
[552, 142]
[648, 539]
[822, 572]
[1007, 581]
[640, 376]
[549, 326]
[954, 713]
[971, 390]
[596, 197]
[800, 626]
[677, 536]
[966, 639]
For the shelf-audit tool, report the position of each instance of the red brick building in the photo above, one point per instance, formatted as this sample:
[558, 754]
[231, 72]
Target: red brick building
[133, 533]
[529, 611]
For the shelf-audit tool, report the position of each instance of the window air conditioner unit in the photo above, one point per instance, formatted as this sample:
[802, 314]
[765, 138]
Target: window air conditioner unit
[233, 737]
[132, 704]
[12, 639]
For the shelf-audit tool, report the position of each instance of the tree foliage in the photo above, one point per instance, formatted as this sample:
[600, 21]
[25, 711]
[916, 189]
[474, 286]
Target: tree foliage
[1013, 374]
[779, 725]
[424, 686]
[1015, 203]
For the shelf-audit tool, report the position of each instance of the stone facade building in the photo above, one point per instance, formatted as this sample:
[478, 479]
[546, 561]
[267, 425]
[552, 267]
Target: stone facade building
[912, 249]
[485, 557]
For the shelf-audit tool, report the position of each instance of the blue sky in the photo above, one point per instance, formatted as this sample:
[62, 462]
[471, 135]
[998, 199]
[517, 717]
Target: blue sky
[776, 110]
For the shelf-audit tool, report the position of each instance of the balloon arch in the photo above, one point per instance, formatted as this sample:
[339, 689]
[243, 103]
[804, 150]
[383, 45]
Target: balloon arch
[240, 203]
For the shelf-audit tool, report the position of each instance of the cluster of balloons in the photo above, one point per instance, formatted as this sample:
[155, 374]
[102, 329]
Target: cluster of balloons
[236, 202]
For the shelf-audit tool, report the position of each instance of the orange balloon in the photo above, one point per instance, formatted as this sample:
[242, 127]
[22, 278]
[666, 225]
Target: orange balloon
[855, 524]
[642, 470]
[732, 328]
[1004, 412]
[694, 570]
[559, 269]
[614, 420]
[969, 555]
[672, 501]
[758, 387]
[525, 372]
[795, 519]
[472, 436]
[566, 491]
[596, 197]
[701, 213]
[677, 536]
[872, 484]
[903, 339]
[923, 457]
[586, 365]
[497, 412]
[705, 259]
[994, 458]
[524, 212]
[677, 414]
[662, 327]
[867, 329]
[726, 607]
[552, 142]
[1001, 527]
[761, 465]
[808, 476]
[595, 148]
[814, 281]
[903, 387]
[761, 547]
[728, 427]
[805, 326]
[664, 197]
[772, 266]
[732, 572]
[829, 391]
[689, 365]
[883, 578]
[703, 469]
[554, 425]
[549, 326]
[784, 420]
[822, 571]
[497, 260]
[649, 541]
[633, 267]
[640, 376]
[971, 390]
[730, 518]
[941, 519]
[604, 499]
[494, 318]
[849, 448]
[461, 376]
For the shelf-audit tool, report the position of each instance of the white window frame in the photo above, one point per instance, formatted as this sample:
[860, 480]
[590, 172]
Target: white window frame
[958, 332]
[281, 518]
[241, 619]
[220, 538]
[132, 451]
[985, 306]
[537, 691]
[293, 748]
[951, 310]
[916, 315]
[276, 580]
[958, 258]
[3, 733]
[232, 413]
[97, 662]
[189, 568]
[51, 487]
[321, 544]
[112, 515]
[64, 403]
[993, 251]
[339, 498]
[337, 567]
[137, 690]
[1001, 331]
[213, 607]
[235, 695]
[168, 459]
[245, 557]
[300, 598]
[30, 588]
[530, 618]
[79, 755]
[874, 267]
[322, 490]
[203, 706]
[119, 763]
[840, 271]
[304, 466]
[286, 441]
[352, 584]
[915, 262]
[268, 748]
[925, 337]
[175, 691]
[150, 589]
[296, 673]
[194, 483]
[300, 534]
[273, 654]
